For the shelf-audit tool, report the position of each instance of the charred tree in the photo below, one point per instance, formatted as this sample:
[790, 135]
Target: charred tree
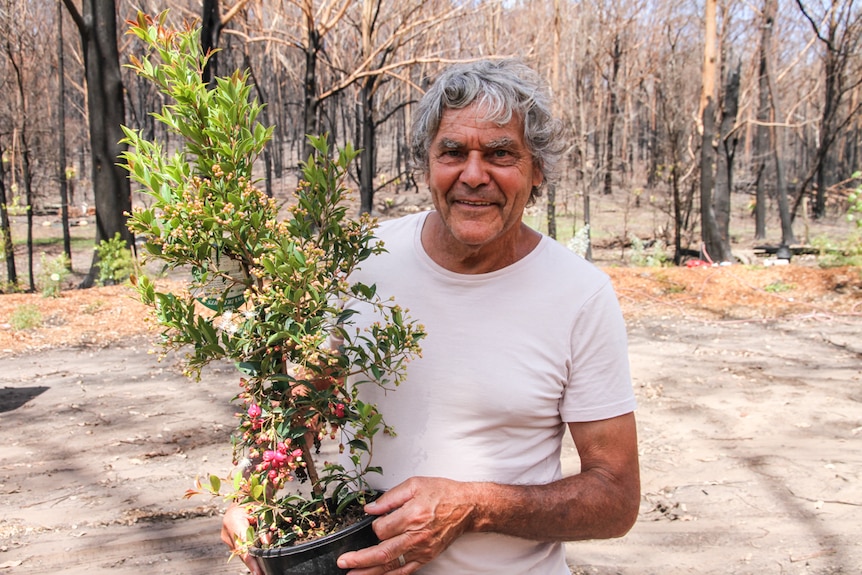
[368, 136]
[97, 26]
[762, 132]
[310, 99]
[838, 27]
[211, 26]
[727, 142]
[613, 111]
[61, 139]
[6, 230]
[708, 225]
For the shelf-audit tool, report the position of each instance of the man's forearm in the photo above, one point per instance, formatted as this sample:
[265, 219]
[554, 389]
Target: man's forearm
[589, 505]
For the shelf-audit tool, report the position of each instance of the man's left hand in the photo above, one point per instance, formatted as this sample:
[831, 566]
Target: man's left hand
[418, 520]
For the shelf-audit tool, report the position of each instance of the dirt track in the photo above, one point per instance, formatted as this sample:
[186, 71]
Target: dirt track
[749, 432]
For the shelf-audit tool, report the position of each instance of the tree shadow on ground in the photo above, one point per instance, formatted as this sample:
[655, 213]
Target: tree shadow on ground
[11, 398]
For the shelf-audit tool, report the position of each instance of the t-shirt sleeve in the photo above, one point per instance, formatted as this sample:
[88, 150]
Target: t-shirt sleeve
[599, 383]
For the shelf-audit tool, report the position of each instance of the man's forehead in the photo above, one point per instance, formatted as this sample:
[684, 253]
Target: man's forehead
[461, 124]
[481, 112]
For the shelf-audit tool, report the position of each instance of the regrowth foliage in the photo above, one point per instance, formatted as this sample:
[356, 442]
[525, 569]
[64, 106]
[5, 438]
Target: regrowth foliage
[264, 292]
[116, 264]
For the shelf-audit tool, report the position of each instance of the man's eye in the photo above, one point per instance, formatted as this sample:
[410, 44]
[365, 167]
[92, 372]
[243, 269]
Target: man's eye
[501, 154]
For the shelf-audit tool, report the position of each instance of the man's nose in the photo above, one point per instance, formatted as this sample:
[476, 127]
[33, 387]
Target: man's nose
[475, 172]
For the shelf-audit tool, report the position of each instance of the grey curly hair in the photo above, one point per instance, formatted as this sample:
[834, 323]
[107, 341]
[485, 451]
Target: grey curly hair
[506, 88]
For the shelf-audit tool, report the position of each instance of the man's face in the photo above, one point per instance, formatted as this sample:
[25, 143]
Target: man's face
[481, 176]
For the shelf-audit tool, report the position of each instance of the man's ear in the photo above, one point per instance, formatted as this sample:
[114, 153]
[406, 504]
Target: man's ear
[538, 176]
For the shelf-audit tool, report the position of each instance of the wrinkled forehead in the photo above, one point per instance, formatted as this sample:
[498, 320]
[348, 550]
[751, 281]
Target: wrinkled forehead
[481, 111]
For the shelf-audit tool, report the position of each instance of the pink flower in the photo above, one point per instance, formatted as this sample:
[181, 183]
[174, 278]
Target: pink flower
[254, 411]
[276, 459]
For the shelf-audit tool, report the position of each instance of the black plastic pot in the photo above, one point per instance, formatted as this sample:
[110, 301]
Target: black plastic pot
[317, 557]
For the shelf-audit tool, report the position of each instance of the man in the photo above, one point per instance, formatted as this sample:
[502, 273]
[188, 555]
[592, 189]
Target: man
[524, 339]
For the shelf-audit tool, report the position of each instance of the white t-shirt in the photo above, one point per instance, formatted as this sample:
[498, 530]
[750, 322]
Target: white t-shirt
[509, 357]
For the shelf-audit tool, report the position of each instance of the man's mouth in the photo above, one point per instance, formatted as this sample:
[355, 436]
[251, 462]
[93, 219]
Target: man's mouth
[474, 203]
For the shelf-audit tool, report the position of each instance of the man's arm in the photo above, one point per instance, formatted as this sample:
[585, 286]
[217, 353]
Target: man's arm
[600, 502]
[421, 517]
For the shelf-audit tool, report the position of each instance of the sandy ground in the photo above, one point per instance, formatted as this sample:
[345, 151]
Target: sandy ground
[750, 421]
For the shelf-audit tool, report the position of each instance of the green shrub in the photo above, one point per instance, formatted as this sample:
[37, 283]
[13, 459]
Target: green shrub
[116, 263]
[847, 252]
[271, 290]
[54, 272]
[25, 316]
[779, 286]
[842, 253]
[655, 257]
[854, 213]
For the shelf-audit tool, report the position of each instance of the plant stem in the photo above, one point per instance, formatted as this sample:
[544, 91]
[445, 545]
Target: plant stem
[310, 469]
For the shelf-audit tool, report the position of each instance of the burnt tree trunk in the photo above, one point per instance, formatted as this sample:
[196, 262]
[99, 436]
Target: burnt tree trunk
[368, 137]
[673, 135]
[210, 32]
[26, 168]
[762, 133]
[784, 213]
[310, 101]
[6, 231]
[61, 139]
[726, 151]
[612, 116]
[708, 225]
[267, 121]
[97, 26]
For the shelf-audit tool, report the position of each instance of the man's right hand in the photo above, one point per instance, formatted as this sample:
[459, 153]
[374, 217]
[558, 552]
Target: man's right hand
[234, 523]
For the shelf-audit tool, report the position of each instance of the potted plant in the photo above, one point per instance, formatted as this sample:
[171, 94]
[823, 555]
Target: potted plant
[265, 293]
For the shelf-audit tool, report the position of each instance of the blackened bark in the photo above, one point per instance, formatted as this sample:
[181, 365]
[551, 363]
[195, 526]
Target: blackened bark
[210, 32]
[612, 116]
[309, 86]
[762, 132]
[368, 137]
[708, 227]
[267, 151]
[6, 230]
[787, 236]
[26, 170]
[97, 26]
[827, 130]
[61, 139]
[726, 152]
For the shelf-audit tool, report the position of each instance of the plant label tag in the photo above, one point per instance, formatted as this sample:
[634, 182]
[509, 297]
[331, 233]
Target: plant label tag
[227, 286]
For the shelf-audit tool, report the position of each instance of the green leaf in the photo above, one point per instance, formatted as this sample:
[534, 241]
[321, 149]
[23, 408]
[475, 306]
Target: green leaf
[358, 444]
[346, 315]
[252, 369]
